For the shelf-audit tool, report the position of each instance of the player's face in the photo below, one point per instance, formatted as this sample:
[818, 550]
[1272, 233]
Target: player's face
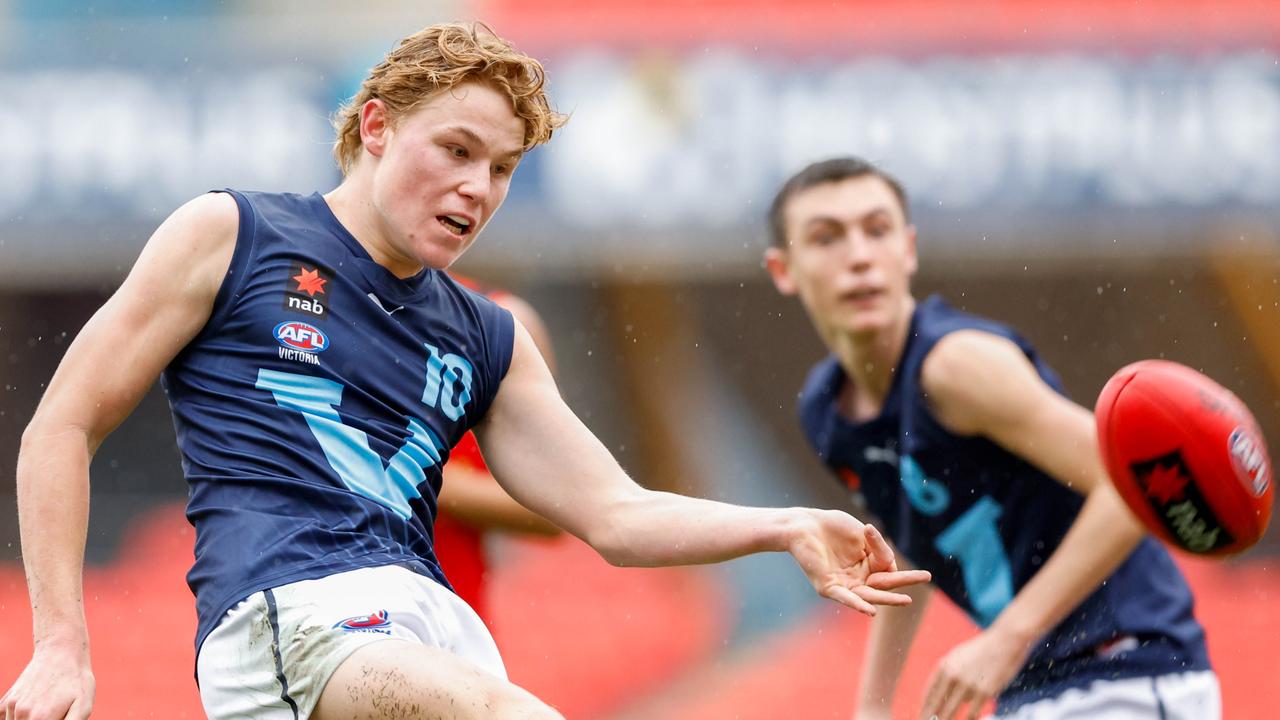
[444, 170]
[850, 256]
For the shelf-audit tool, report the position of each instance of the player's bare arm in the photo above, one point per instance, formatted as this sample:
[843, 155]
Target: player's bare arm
[549, 461]
[888, 645]
[470, 494]
[113, 361]
[981, 384]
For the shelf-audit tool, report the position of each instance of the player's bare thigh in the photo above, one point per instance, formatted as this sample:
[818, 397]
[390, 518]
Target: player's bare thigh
[398, 680]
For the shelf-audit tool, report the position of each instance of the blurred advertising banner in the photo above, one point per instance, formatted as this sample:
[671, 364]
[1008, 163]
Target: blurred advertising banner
[84, 143]
[692, 141]
[663, 141]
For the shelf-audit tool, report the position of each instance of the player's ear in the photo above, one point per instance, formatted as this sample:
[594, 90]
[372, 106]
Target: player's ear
[375, 126]
[777, 262]
[913, 260]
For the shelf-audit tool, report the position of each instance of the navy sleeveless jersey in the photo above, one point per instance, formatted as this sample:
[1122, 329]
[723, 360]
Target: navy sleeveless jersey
[983, 521]
[316, 407]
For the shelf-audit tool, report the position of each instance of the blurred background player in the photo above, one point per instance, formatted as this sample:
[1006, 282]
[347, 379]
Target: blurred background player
[320, 365]
[472, 503]
[960, 440]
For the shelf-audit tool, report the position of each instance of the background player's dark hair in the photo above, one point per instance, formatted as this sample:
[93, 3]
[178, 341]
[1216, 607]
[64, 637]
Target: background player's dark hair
[825, 171]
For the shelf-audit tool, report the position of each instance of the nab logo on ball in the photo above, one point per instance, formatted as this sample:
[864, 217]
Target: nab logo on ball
[379, 622]
[1178, 503]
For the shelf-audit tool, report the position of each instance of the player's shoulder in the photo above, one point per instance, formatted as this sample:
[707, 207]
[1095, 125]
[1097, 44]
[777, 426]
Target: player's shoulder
[257, 208]
[962, 357]
[466, 291]
[949, 340]
[212, 214]
[937, 319]
[522, 309]
[188, 255]
[488, 301]
[479, 312]
[200, 232]
[970, 378]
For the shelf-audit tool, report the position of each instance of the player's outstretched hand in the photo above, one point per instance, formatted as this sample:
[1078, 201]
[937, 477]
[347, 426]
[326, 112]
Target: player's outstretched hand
[56, 684]
[850, 562]
[972, 674]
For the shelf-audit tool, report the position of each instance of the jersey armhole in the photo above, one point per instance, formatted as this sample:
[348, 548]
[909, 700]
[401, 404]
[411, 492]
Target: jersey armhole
[506, 338]
[233, 282]
[914, 423]
[500, 347]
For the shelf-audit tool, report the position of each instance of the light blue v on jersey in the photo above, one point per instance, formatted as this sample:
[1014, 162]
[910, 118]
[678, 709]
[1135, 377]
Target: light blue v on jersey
[315, 409]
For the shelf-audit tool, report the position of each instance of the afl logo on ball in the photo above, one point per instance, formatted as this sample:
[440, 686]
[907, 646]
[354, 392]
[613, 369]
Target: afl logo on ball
[379, 622]
[302, 336]
[1249, 460]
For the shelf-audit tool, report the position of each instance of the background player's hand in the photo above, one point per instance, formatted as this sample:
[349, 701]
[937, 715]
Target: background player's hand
[850, 562]
[973, 673]
[56, 684]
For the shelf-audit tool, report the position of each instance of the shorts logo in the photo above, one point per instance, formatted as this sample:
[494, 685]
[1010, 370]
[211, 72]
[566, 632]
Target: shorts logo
[1115, 646]
[379, 622]
[301, 336]
[1249, 461]
[305, 289]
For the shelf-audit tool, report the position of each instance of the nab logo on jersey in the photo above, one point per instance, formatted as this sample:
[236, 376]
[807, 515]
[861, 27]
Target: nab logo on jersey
[306, 289]
[297, 335]
[305, 305]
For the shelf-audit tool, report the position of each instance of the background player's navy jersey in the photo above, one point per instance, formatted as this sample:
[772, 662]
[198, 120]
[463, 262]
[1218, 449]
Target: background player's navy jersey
[315, 409]
[983, 521]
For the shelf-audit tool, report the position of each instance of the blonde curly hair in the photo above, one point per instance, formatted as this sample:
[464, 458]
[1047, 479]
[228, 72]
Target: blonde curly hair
[437, 58]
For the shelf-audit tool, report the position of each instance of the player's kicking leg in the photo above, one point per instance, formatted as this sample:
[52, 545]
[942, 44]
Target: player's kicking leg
[399, 679]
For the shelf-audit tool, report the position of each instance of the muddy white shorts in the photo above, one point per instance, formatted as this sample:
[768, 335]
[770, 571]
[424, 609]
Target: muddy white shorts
[273, 653]
[1177, 696]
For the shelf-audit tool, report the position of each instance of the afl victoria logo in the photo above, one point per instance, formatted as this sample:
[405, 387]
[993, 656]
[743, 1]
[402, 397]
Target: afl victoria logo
[302, 336]
[1249, 460]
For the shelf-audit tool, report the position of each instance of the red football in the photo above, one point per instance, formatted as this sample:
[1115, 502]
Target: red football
[1187, 456]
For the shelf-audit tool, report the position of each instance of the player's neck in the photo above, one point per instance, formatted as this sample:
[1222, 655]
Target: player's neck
[870, 361]
[350, 203]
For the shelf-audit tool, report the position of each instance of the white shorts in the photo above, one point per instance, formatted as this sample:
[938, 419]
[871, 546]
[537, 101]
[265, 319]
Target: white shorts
[273, 653]
[1177, 696]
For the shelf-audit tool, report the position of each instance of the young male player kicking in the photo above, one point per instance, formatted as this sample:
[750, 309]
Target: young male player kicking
[320, 365]
[960, 440]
